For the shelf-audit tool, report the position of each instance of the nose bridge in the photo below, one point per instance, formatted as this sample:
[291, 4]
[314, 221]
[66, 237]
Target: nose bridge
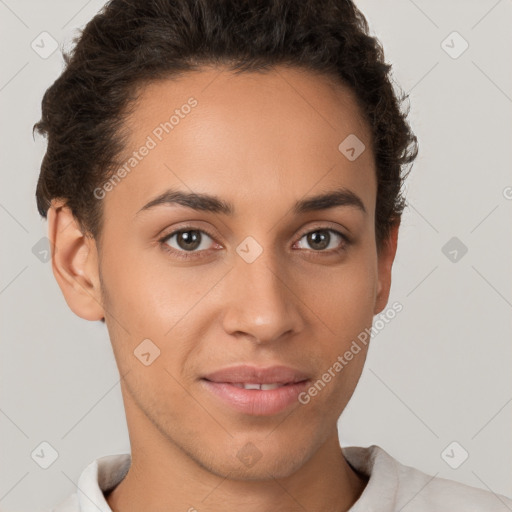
[261, 302]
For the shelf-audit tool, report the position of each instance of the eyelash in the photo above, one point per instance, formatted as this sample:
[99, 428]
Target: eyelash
[184, 255]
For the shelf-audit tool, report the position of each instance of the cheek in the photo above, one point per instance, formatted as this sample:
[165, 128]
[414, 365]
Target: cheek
[345, 305]
[346, 308]
[148, 294]
[344, 296]
[356, 298]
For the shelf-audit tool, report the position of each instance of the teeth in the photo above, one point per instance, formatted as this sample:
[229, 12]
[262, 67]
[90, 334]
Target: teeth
[270, 386]
[251, 386]
[262, 387]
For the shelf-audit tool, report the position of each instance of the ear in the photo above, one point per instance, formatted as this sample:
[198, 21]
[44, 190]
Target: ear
[74, 263]
[386, 256]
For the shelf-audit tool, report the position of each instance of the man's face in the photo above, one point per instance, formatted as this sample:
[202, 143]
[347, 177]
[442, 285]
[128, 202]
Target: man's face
[256, 289]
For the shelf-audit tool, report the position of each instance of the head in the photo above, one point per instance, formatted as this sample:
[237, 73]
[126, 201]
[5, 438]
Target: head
[225, 182]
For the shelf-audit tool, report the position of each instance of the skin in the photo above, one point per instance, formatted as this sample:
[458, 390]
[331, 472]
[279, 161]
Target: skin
[261, 142]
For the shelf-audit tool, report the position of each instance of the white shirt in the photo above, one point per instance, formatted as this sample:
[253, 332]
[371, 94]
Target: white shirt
[391, 487]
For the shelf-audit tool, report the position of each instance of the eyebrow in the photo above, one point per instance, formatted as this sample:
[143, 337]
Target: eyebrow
[211, 203]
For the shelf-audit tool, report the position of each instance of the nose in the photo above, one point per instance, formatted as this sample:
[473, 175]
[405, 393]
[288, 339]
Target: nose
[260, 301]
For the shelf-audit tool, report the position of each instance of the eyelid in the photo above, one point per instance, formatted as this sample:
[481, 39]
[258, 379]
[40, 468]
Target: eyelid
[193, 226]
[326, 225]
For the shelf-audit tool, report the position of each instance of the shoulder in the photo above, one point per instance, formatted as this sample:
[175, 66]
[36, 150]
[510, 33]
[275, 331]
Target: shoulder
[99, 477]
[428, 492]
[393, 486]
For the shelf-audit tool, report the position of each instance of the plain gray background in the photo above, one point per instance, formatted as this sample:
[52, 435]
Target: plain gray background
[438, 373]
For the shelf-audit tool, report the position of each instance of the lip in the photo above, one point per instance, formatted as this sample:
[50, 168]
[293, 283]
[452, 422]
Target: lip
[256, 402]
[247, 373]
[253, 401]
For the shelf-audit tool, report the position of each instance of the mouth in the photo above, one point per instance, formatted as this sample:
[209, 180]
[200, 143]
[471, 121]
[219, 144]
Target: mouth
[256, 399]
[262, 387]
[258, 386]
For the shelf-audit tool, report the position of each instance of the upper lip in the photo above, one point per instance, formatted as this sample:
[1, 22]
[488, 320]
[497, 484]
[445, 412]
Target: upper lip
[254, 374]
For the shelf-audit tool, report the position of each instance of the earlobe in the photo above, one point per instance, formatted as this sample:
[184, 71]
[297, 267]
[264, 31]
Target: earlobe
[385, 263]
[74, 263]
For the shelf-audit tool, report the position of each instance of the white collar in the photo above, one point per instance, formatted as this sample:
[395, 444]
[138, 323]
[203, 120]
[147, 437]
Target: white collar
[105, 473]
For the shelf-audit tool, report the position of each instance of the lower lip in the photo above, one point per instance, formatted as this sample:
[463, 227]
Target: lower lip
[256, 401]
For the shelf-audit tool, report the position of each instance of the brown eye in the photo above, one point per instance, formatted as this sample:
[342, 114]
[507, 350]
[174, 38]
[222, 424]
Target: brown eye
[323, 239]
[319, 240]
[187, 240]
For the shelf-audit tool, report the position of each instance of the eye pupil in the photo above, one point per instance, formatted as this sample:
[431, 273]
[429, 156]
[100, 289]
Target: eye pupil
[323, 239]
[187, 241]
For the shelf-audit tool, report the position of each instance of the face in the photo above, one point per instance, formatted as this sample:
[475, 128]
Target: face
[247, 277]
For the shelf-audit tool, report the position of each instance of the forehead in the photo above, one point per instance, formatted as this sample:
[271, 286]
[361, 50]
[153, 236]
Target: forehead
[249, 136]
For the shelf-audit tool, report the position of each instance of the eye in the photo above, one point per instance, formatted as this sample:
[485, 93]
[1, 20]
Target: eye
[321, 239]
[186, 240]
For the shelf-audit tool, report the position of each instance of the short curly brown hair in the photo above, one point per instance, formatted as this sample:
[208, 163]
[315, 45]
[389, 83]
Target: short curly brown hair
[131, 42]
